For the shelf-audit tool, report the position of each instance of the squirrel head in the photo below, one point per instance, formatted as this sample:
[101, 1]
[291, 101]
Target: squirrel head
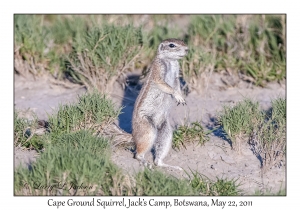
[173, 49]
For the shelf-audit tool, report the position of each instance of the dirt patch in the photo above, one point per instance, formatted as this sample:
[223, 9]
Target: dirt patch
[24, 157]
[215, 159]
[41, 96]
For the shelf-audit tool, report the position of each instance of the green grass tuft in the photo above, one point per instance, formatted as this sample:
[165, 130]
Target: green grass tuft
[269, 139]
[239, 121]
[207, 187]
[102, 54]
[93, 112]
[189, 133]
[31, 41]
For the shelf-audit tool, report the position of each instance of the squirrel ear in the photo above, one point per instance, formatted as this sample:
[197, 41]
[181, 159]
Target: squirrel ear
[160, 47]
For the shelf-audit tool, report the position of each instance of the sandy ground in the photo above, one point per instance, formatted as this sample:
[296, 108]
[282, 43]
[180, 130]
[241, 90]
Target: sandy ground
[214, 159]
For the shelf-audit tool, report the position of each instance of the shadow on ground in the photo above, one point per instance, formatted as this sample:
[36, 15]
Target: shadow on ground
[132, 88]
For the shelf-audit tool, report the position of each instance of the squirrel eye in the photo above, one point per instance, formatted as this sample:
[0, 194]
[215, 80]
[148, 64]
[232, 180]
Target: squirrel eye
[171, 45]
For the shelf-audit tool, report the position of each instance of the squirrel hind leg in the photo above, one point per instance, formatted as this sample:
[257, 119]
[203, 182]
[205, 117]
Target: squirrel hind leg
[163, 144]
[144, 136]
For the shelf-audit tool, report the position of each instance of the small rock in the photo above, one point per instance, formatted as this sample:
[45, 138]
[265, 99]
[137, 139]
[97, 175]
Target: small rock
[212, 167]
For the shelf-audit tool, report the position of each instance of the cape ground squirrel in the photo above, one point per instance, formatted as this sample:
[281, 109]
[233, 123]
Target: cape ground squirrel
[150, 120]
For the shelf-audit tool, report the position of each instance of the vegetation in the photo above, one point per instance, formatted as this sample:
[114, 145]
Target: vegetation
[269, 138]
[207, 187]
[189, 133]
[78, 164]
[265, 131]
[102, 55]
[93, 112]
[252, 46]
[87, 170]
[25, 132]
[157, 183]
[95, 50]
[75, 159]
[37, 48]
[240, 120]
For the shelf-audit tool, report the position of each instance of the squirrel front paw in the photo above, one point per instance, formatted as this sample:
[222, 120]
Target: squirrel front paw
[179, 98]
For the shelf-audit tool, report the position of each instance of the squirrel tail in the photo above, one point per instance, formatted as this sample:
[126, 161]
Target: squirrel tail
[118, 135]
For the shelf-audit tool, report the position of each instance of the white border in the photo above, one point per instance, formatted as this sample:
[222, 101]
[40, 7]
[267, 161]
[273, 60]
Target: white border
[153, 6]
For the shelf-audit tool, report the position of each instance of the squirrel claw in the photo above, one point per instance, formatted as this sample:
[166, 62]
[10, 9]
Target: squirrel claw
[183, 103]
